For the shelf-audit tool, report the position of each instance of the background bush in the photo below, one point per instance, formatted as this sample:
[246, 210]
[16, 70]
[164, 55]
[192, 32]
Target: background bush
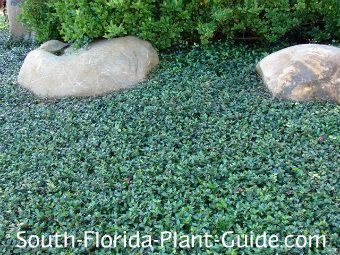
[40, 16]
[168, 22]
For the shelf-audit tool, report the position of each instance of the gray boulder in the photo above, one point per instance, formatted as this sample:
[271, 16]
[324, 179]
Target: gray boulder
[303, 72]
[16, 29]
[55, 71]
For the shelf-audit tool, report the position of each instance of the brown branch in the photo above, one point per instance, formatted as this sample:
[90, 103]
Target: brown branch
[254, 38]
[2, 4]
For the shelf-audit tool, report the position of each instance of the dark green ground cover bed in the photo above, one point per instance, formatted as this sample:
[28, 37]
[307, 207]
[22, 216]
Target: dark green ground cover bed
[199, 148]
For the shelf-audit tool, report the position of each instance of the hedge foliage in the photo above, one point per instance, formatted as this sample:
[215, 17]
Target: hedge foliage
[201, 147]
[3, 23]
[169, 22]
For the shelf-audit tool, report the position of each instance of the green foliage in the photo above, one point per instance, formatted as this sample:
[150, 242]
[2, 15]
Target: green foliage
[205, 147]
[40, 17]
[169, 22]
[3, 23]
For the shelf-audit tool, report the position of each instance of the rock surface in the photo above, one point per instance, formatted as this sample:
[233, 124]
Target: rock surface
[106, 65]
[303, 72]
[16, 29]
[54, 46]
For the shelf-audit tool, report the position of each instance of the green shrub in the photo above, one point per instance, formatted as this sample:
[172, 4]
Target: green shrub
[3, 23]
[40, 16]
[169, 22]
